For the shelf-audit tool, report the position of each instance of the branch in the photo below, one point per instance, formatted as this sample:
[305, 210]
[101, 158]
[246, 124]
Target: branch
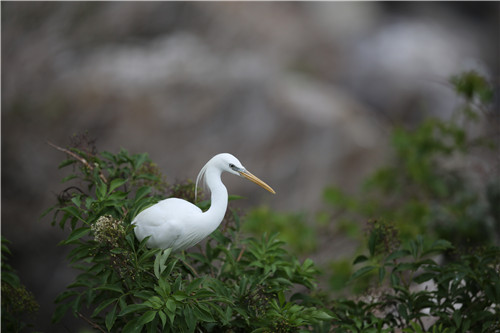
[78, 158]
[91, 323]
[241, 253]
[190, 267]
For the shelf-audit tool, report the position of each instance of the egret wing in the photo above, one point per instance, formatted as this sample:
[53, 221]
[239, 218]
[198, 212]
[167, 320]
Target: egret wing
[165, 222]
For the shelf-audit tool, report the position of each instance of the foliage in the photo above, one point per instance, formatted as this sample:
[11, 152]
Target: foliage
[229, 284]
[292, 228]
[417, 294]
[18, 303]
[423, 284]
[419, 192]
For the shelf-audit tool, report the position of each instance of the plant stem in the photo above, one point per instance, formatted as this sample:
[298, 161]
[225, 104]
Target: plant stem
[91, 323]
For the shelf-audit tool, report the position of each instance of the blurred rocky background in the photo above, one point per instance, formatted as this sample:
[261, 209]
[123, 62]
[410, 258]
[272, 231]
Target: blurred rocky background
[304, 94]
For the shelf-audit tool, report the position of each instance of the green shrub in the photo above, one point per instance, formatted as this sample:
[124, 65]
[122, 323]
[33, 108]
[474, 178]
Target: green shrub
[462, 295]
[418, 193]
[230, 284]
[18, 303]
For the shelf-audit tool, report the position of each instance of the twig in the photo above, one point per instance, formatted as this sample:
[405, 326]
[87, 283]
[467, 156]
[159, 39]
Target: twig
[241, 253]
[78, 158]
[91, 323]
[190, 267]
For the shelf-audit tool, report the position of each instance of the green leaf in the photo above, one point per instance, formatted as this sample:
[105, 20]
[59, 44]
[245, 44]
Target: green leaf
[11, 278]
[163, 288]
[108, 155]
[147, 176]
[103, 305]
[372, 243]
[233, 197]
[68, 178]
[163, 318]
[100, 190]
[322, 315]
[381, 274]
[203, 314]
[142, 192]
[457, 318]
[60, 311]
[73, 211]
[88, 202]
[133, 308]
[281, 298]
[115, 198]
[133, 326]
[47, 211]
[171, 306]
[260, 330]
[147, 317]
[360, 259]
[115, 183]
[111, 287]
[159, 265]
[65, 295]
[179, 296]
[76, 200]
[110, 318]
[426, 276]
[76, 235]
[362, 271]
[439, 246]
[154, 302]
[171, 316]
[139, 159]
[66, 163]
[397, 254]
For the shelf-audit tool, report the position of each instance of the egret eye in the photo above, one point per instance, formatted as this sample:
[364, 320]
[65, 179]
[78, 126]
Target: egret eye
[231, 165]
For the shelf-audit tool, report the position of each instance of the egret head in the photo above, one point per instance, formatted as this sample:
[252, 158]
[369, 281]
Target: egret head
[232, 165]
[228, 163]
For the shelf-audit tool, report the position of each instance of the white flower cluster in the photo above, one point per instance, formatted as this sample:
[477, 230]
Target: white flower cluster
[108, 230]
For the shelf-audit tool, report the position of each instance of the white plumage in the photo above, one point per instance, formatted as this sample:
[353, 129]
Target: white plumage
[178, 224]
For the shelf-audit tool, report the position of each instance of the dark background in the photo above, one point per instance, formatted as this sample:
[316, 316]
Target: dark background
[304, 94]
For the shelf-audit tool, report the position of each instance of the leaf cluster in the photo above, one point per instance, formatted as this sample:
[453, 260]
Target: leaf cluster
[18, 303]
[424, 284]
[416, 293]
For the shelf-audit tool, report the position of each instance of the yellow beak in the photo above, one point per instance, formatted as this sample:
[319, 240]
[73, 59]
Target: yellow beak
[256, 180]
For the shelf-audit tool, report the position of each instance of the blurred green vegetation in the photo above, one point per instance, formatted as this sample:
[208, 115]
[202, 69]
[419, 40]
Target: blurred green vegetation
[416, 293]
[427, 187]
[293, 228]
[18, 303]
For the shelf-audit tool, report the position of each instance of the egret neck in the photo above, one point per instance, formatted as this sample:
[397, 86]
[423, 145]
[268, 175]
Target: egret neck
[218, 205]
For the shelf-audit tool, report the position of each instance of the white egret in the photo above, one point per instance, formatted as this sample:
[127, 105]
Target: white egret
[178, 224]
